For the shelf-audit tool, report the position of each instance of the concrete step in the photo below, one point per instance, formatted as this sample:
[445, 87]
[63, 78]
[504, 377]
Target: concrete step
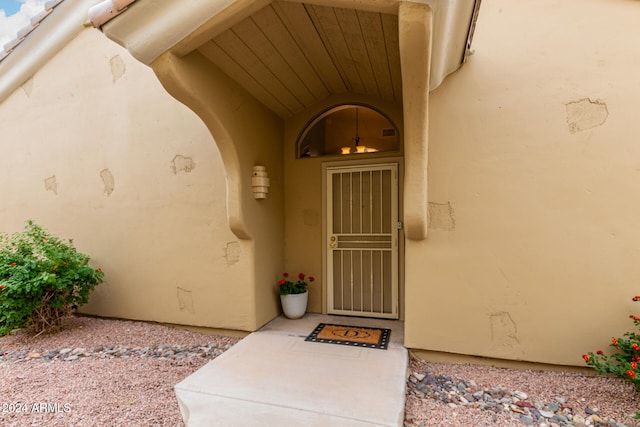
[274, 378]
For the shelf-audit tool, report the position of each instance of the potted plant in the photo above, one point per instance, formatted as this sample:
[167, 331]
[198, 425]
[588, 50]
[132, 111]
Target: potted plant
[294, 295]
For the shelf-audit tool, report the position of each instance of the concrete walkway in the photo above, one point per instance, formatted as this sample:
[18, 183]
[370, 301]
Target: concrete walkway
[274, 378]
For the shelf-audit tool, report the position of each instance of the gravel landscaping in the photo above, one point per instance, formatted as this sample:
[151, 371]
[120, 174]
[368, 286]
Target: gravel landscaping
[101, 372]
[473, 395]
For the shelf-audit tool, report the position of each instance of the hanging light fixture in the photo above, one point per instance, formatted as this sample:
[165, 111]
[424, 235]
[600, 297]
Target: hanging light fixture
[356, 139]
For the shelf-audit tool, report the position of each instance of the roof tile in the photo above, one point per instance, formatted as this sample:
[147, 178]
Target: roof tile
[24, 32]
[51, 4]
[40, 16]
[13, 43]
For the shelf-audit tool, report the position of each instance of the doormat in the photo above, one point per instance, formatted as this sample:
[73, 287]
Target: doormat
[354, 336]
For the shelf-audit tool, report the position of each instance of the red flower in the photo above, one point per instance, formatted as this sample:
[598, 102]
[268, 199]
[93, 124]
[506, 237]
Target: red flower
[312, 279]
[285, 274]
[586, 357]
[1, 286]
[636, 298]
[281, 282]
[99, 269]
[631, 374]
[599, 352]
[614, 341]
[636, 358]
[13, 264]
[301, 276]
[634, 365]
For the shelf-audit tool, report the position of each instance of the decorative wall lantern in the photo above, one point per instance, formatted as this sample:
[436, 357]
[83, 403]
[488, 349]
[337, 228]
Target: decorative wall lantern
[260, 182]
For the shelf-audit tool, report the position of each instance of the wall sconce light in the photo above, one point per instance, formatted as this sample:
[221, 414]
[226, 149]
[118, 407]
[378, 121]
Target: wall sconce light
[260, 182]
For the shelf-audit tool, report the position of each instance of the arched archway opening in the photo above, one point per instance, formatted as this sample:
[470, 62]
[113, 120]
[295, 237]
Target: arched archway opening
[343, 187]
[348, 129]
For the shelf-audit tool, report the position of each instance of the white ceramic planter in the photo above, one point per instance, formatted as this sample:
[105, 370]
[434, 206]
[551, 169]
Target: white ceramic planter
[294, 305]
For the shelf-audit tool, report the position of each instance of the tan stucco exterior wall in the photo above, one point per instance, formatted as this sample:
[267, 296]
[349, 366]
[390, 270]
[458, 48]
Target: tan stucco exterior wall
[248, 135]
[94, 149]
[533, 244]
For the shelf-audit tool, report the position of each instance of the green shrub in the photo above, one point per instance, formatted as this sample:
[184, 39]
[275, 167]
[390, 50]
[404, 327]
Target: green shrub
[625, 362]
[41, 279]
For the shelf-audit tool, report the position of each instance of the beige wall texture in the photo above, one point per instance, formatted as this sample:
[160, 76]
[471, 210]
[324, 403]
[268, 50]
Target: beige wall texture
[94, 149]
[247, 135]
[534, 189]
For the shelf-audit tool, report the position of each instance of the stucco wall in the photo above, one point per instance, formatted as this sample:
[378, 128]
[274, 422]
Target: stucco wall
[248, 135]
[94, 149]
[534, 190]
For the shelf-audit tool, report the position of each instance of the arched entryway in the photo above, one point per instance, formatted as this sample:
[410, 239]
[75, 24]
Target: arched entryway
[256, 72]
[346, 175]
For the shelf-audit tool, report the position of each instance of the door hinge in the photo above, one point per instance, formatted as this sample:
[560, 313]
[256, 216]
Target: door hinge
[399, 225]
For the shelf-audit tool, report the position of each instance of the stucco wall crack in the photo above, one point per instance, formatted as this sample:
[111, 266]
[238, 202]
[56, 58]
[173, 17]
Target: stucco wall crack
[118, 67]
[440, 216]
[108, 180]
[232, 253]
[586, 114]
[50, 184]
[185, 300]
[504, 334]
[182, 164]
[503, 326]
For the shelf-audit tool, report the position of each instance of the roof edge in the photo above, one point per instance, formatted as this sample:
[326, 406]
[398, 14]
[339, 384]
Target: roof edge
[150, 28]
[106, 10]
[53, 33]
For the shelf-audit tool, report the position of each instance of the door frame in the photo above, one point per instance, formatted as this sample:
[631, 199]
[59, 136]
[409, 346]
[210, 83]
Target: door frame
[368, 161]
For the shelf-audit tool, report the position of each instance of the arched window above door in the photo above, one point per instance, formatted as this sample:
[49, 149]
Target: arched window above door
[348, 130]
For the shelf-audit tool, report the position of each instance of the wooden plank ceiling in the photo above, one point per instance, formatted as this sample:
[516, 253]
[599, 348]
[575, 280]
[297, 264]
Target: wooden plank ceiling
[291, 55]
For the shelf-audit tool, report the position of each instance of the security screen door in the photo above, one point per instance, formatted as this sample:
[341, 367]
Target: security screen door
[362, 240]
